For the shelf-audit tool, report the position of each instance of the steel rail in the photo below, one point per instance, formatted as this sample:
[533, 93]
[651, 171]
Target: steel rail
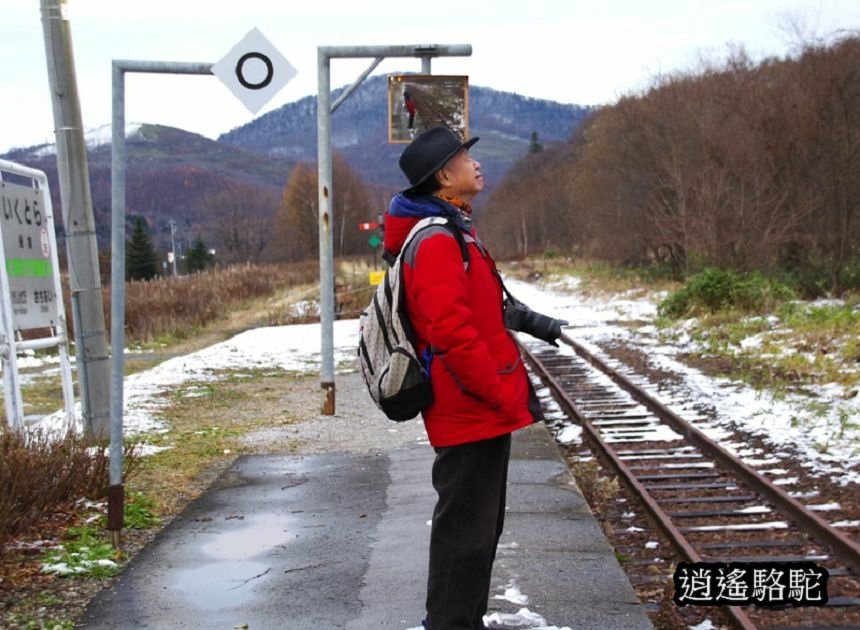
[845, 549]
[737, 617]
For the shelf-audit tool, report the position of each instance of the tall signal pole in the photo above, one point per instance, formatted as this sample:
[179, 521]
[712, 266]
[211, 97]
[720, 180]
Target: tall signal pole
[173, 243]
[91, 348]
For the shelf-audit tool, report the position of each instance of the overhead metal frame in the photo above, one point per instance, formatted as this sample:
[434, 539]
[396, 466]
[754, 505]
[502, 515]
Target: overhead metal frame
[117, 300]
[325, 108]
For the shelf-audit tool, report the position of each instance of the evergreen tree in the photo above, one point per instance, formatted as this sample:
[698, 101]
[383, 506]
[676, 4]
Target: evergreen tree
[198, 257]
[141, 259]
[534, 145]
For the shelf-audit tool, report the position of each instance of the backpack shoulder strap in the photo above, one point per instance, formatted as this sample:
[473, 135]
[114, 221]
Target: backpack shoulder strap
[424, 228]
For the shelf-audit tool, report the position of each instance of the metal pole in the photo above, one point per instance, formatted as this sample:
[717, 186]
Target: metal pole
[173, 244]
[82, 250]
[411, 50]
[13, 403]
[352, 88]
[324, 171]
[117, 302]
[116, 495]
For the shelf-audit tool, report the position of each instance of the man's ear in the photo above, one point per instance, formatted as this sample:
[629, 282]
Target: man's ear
[442, 177]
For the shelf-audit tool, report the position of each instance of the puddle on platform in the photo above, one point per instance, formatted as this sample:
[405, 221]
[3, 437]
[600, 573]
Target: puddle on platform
[260, 533]
[220, 584]
[239, 563]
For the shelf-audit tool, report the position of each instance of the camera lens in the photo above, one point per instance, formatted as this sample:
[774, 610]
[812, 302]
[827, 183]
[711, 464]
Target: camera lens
[542, 326]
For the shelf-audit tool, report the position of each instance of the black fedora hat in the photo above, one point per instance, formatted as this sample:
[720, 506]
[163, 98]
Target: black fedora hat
[429, 152]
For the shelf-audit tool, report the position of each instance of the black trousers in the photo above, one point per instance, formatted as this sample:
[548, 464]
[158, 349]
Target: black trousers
[471, 481]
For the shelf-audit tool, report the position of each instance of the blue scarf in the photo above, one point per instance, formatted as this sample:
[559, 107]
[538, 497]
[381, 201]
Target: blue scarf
[427, 206]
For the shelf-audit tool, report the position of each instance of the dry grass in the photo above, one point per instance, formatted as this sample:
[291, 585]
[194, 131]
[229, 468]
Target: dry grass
[176, 307]
[208, 422]
[595, 487]
[41, 473]
[593, 277]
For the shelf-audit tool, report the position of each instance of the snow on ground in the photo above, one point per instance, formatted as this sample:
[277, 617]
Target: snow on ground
[93, 137]
[823, 428]
[826, 441]
[292, 348]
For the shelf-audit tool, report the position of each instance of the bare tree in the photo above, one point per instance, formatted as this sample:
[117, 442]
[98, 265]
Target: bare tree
[741, 165]
[239, 221]
[296, 224]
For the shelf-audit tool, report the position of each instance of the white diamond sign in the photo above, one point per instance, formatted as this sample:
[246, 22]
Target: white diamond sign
[254, 70]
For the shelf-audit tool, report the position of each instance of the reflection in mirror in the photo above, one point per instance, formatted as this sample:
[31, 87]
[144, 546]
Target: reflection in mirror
[417, 102]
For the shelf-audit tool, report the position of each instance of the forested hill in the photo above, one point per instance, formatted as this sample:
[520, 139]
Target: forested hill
[170, 175]
[177, 177]
[504, 121]
[745, 166]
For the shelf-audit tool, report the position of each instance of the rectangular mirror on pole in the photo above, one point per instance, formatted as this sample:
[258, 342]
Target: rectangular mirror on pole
[417, 102]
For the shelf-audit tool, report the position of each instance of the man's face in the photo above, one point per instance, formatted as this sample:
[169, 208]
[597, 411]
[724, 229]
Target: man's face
[461, 176]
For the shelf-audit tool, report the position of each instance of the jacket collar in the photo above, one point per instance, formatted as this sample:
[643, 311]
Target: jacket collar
[403, 205]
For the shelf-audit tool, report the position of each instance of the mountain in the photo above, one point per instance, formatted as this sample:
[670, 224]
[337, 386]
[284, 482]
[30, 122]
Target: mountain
[503, 121]
[170, 171]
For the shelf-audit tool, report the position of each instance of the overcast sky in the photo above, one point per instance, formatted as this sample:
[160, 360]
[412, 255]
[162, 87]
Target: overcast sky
[571, 51]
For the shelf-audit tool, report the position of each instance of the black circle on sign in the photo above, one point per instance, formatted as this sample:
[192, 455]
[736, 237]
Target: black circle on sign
[270, 71]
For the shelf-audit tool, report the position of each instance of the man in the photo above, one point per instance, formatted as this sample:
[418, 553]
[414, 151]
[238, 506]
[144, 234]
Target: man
[410, 108]
[481, 390]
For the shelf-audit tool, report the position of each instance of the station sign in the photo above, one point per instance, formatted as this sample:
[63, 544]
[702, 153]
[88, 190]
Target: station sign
[30, 291]
[31, 263]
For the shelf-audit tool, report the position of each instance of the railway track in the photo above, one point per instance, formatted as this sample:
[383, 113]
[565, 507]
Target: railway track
[735, 536]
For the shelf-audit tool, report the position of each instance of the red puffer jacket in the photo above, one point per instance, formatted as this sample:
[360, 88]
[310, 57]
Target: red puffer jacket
[480, 386]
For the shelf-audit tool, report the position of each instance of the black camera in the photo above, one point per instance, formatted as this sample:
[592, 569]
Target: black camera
[520, 317]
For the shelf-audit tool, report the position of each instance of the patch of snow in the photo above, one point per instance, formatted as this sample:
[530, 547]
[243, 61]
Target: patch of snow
[63, 568]
[740, 527]
[770, 461]
[785, 481]
[292, 348]
[524, 618]
[571, 434]
[754, 509]
[514, 595]
[94, 138]
[804, 495]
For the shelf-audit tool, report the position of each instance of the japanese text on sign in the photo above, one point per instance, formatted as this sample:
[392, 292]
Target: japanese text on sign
[28, 260]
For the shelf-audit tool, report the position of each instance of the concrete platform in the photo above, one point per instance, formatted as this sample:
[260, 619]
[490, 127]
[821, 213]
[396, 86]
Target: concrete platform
[339, 541]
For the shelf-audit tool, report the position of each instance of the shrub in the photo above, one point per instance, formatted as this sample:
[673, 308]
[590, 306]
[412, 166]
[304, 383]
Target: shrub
[713, 290]
[41, 473]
